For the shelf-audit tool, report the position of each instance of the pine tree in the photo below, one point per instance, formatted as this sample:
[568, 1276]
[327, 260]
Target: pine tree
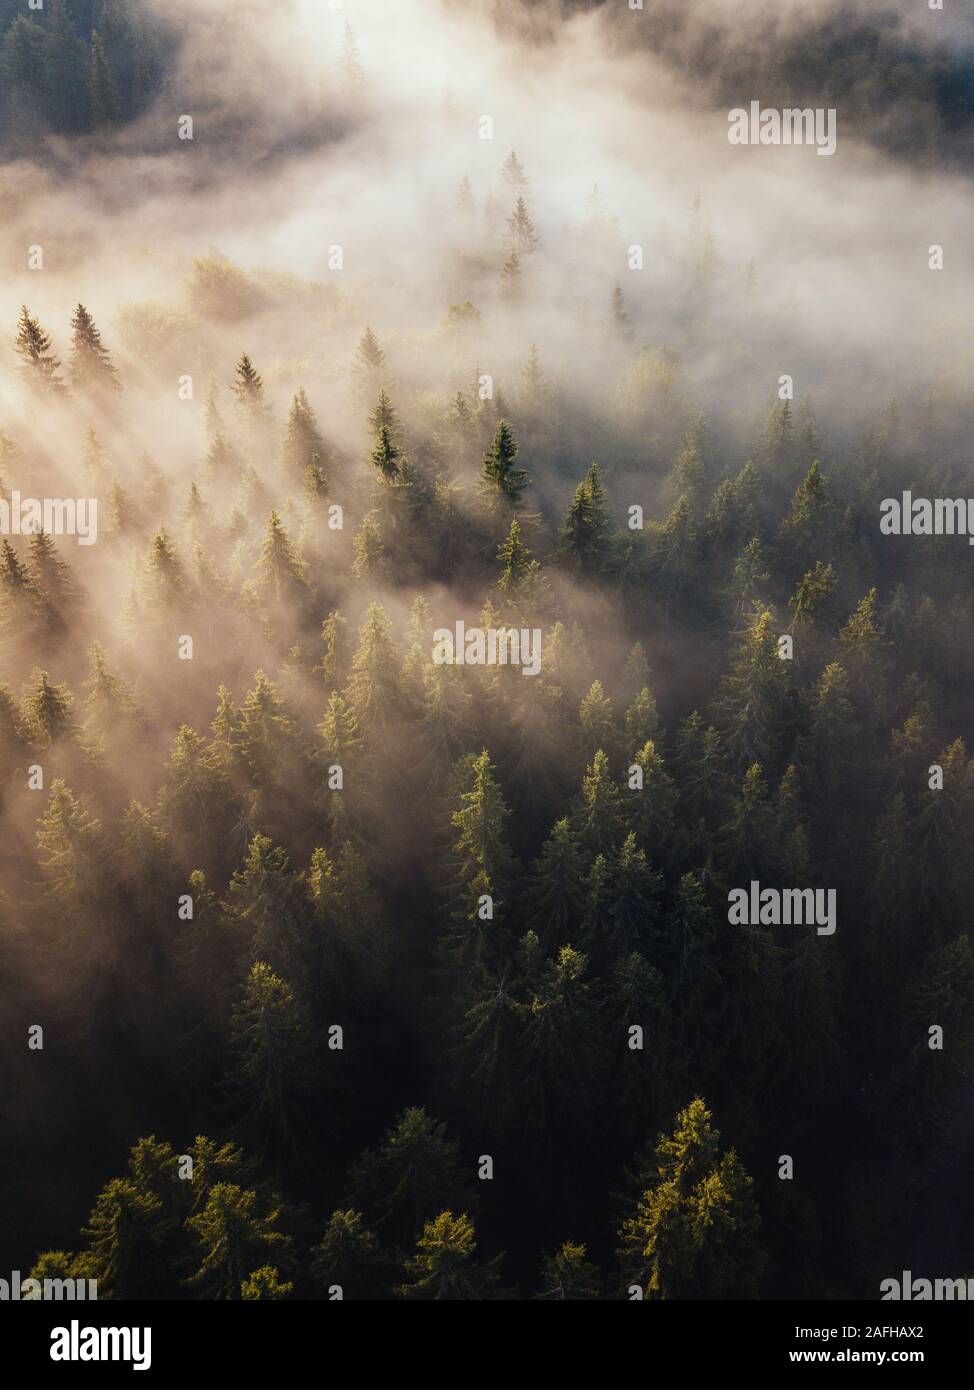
[196, 803]
[47, 711]
[51, 579]
[371, 562]
[91, 366]
[585, 533]
[511, 288]
[558, 890]
[111, 709]
[596, 721]
[33, 347]
[513, 173]
[265, 901]
[400, 1184]
[249, 391]
[272, 1077]
[500, 477]
[72, 842]
[481, 850]
[652, 806]
[281, 575]
[444, 1266]
[597, 820]
[350, 1258]
[234, 1238]
[520, 575]
[567, 1276]
[693, 1232]
[124, 1237]
[266, 1284]
[534, 393]
[303, 445]
[524, 239]
[337, 659]
[562, 1050]
[755, 706]
[374, 690]
[385, 455]
[23, 605]
[370, 359]
[384, 416]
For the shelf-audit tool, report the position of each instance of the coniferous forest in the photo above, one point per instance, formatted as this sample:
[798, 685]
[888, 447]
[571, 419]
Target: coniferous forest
[339, 956]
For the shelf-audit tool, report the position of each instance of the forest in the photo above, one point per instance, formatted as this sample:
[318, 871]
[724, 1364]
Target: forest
[331, 968]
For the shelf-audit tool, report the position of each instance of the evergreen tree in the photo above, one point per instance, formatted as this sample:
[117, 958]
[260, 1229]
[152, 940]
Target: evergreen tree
[500, 477]
[693, 1232]
[444, 1266]
[598, 820]
[350, 1258]
[266, 1283]
[385, 456]
[585, 534]
[281, 575]
[33, 347]
[370, 359]
[91, 366]
[524, 239]
[124, 1235]
[400, 1183]
[303, 446]
[272, 1075]
[513, 173]
[567, 1276]
[558, 890]
[512, 280]
[233, 1236]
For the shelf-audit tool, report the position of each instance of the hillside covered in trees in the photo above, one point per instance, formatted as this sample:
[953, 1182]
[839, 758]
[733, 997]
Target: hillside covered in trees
[330, 966]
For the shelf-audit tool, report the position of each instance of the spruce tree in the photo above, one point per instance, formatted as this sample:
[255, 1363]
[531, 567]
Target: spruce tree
[500, 477]
[445, 1267]
[90, 366]
[520, 227]
[693, 1231]
[272, 1075]
[400, 1184]
[234, 1239]
[39, 364]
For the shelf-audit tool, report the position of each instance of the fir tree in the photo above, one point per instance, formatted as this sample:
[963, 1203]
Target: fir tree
[523, 237]
[91, 366]
[444, 1266]
[693, 1233]
[33, 347]
[500, 477]
[234, 1239]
